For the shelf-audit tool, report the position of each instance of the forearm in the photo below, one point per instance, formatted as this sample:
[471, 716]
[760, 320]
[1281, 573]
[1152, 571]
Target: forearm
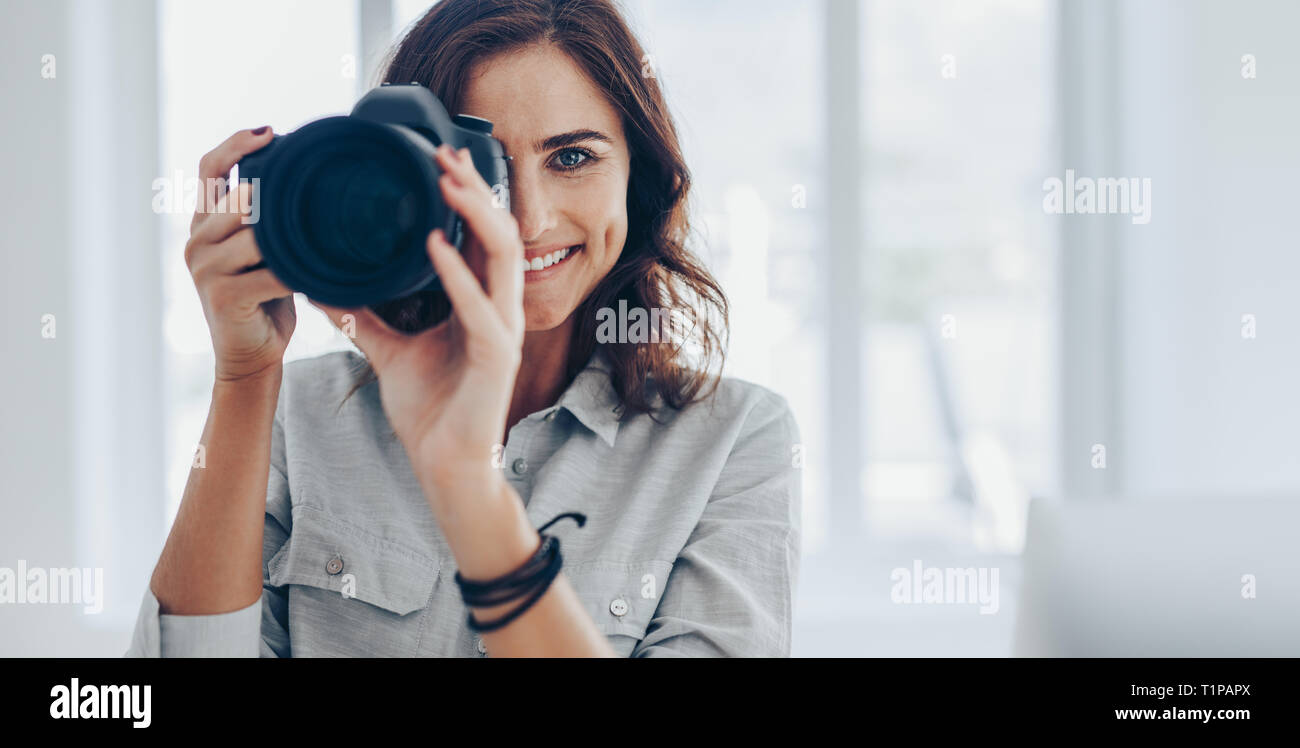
[490, 536]
[212, 561]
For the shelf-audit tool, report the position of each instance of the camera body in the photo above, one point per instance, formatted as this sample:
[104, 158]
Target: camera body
[346, 203]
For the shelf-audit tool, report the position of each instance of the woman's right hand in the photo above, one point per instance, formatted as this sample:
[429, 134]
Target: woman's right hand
[250, 313]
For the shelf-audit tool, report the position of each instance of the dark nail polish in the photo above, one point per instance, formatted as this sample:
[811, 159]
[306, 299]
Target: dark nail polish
[261, 130]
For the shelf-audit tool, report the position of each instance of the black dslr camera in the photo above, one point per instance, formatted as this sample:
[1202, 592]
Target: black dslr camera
[346, 203]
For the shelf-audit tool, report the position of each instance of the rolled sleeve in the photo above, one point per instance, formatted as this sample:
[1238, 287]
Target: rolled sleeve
[731, 590]
[261, 629]
[233, 634]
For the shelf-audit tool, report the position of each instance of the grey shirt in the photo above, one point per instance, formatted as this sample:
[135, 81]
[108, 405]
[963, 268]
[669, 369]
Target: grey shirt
[691, 545]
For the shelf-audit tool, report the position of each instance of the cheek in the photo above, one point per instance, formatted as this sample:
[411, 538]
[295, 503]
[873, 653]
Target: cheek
[603, 214]
[614, 236]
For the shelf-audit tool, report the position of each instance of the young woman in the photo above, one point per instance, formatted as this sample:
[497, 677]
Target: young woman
[345, 501]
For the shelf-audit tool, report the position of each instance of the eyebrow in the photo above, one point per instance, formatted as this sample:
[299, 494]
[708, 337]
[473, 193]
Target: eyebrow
[570, 138]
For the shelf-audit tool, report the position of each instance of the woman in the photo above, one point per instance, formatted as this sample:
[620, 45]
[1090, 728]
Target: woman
[311, 531]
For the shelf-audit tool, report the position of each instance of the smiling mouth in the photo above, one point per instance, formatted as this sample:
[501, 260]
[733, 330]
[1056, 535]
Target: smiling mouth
[541, 267]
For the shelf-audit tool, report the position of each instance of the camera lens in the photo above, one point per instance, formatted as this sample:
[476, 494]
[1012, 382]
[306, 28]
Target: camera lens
[346, 209]
[355, 215]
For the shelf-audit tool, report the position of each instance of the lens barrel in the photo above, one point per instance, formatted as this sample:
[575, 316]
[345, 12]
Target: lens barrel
[345, 208]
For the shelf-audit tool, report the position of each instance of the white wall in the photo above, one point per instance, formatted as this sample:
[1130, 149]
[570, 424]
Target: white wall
[81, 418]
[1203, 410]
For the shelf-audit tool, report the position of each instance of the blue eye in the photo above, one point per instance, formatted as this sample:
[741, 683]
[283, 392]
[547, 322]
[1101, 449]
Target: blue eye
[571, 159]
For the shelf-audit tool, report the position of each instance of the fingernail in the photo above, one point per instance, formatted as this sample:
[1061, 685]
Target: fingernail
[261, 129]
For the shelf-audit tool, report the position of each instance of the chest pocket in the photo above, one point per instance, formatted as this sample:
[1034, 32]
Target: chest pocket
[621, 597]
[351, 593]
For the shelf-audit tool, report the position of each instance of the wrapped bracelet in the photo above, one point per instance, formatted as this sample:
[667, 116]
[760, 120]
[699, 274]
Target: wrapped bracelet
[535, 575]
[511, 586]
[541, 585]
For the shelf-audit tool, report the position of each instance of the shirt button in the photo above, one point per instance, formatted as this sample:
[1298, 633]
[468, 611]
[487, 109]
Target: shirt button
[482, 648]
[551, 416]
[618, 607]
[334, 565]
[520, 466]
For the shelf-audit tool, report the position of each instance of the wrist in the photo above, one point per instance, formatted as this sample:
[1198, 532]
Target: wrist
[250, 396]
[260, 382]
[453, 480]
[489, 533]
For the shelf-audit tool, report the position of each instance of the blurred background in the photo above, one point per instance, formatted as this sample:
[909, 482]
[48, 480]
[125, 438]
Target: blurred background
[869, 188]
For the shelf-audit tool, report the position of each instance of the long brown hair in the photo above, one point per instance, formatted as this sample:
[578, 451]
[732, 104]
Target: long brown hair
[656, 271]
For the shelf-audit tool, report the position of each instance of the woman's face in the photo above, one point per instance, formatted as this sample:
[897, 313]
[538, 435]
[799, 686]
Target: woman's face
[568, 176]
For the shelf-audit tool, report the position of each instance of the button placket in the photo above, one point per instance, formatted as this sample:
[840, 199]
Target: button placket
[518, 466]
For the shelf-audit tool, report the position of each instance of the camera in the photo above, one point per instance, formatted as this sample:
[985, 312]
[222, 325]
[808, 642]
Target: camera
[347, 203]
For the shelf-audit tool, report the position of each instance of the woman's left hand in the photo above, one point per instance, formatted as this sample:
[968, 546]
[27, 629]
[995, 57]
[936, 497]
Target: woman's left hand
[447, 390]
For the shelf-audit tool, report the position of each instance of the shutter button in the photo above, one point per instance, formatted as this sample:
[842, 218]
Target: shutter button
[520, 466]
[618, 607]
[335, 565]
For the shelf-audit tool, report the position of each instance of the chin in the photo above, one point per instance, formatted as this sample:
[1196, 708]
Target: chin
[539, 318]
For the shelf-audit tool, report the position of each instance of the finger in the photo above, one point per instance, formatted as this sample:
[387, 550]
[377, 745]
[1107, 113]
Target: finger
[227, 217]
[498, 233]
[367, 329]
[472, 306]
[217, 163]
[261, 286]
[460, 165]
[244, 293]
[234, 255]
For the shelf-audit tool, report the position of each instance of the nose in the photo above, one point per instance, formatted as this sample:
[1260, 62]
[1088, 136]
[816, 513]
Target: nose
[532, 207]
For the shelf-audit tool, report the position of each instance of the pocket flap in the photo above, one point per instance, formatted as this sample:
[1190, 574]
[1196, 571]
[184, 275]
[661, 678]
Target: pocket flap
[331, 554]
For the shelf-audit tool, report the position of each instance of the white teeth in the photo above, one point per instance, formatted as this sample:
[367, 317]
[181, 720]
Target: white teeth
[539, 263]
[554, 257]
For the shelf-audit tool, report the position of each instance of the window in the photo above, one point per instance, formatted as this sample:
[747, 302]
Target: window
[208, 94]
[960, 278]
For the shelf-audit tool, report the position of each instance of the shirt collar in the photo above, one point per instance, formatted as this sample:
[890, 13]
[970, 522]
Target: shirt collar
[591, 397]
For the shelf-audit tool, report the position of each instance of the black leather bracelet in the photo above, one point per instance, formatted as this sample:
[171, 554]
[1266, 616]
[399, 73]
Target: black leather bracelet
[509, 586]
[535, 575]
[549, 573]
[520, 579]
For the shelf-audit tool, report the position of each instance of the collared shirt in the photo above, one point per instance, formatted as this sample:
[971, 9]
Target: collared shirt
[690, 548]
